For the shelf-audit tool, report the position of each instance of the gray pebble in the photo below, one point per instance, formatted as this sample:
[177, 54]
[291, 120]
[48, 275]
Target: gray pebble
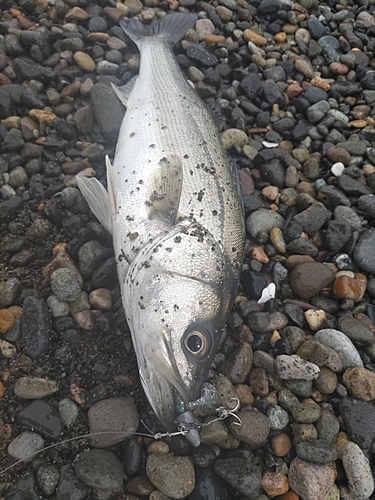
[238, 364]
[115, 414]
[278, 418]
[363, 253]
[9, 291]
[34, 387]
[340, 343]
[358, 471]
[35, 326]
[68, 411]
[90, 256]
[25, 445]
[58, 307]
[287, 399]
[327, 426]
[18, 177]
[100, 469]
[48, 477]
[301, 388]
[243, 475]
[172, 475]
[65, 284]
[356, 330]
[263, 220]
[348, 214]
[318, 451]
[306, 413]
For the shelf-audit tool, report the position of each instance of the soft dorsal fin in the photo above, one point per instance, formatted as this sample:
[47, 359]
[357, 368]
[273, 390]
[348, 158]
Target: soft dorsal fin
[164, 198]
[123, 93]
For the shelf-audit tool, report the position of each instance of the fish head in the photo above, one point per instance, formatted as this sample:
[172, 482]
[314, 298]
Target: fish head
[176, 296]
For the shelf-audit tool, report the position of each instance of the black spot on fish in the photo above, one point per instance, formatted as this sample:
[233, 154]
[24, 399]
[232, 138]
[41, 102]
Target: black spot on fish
[152, 145]
[200, 195]
[132, 134]
[214, 212]
[186, 156]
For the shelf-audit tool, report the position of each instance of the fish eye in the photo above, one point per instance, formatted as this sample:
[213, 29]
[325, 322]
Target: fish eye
[197, 343]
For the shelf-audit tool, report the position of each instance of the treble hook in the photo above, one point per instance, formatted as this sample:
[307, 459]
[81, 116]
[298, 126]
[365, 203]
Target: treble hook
[225, 412]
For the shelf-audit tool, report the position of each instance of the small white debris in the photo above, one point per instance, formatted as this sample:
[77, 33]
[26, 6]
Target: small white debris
[337, 169]
[268, 293]
[270, 144]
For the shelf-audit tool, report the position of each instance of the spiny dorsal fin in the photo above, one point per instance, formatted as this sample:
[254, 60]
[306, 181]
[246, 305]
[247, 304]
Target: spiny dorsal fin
[165, 195]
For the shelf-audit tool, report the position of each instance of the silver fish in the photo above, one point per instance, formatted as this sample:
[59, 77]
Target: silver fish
[173, 209]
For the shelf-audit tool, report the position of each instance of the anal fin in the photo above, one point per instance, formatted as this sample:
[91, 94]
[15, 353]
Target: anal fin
[97, 199]
[164, 199]
[110, 185]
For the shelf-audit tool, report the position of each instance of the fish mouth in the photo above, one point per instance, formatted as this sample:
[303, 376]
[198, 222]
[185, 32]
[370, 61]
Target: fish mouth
[165, 390]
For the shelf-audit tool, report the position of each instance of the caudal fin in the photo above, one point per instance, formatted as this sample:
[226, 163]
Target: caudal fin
[172, 26]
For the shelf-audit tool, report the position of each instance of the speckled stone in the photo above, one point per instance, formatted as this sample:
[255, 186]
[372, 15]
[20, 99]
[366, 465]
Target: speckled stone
[340, 343]
[237, 366]
[254, 428]
[358, 471]
[294, 367]
[360, 383]
[311, 481]
[172, 475]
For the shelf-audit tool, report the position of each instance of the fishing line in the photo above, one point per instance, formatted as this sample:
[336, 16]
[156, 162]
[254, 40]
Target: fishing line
[182, 430]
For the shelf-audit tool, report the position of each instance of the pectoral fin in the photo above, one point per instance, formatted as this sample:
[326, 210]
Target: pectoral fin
[98, 200]
[164, 199]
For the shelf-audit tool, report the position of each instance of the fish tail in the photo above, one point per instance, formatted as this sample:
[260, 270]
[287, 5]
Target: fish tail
[172, 27]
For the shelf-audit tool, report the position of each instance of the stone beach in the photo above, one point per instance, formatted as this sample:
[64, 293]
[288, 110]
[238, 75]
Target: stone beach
[292, 86]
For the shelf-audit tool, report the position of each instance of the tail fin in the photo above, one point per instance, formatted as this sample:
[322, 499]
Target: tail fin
[172, 26]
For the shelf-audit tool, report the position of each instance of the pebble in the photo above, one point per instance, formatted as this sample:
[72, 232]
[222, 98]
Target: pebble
[43, 418]
[340, 343]
[360, 383]
[237, 366]
[327, 426]
[101, 299]
[345, 287]
[281, 445]
[253, 430]
[241, 474]
[111, 473]
[25, 445]
[34, 387]
[48, 477]
[311, 481]
[90, 256]
[278, 418]
[65, 284]
[115, 414]
[7, 349]
[59, 308]
[68, 411]
[306, 413]
[358, 471]
[294, 367]
[233, 137]
[309, 278]
[359, 420]
[172, 475]
[262, 221]
[356, 330]
[275, 483]
[140, 485]
[318, 451]
[6, 320]
[35, 327]
[362, 251]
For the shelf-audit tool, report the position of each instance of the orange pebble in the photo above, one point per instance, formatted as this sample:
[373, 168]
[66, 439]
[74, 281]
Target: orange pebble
[345, 287]
[1, 389]
[275, 483]
[14, 12]
[58, 247]
[41, 207]
[6, 320]
[258, 253]
[281, 444]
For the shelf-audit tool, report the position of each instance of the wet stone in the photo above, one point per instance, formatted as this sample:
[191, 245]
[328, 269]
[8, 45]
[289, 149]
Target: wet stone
[48, 477]
[340, 343]
[308, 278]
[25, 445]
[359, 419]
[238, 364]
[132, 456]
[111, 472]
[209, 486]
[203, 456]
[114, 414]
[358, 471]
[35, 327]
[172, 475]
[70, 487]
[43, 418]
[241, 474]
[34, 387]
[254, 428]
[311, 481]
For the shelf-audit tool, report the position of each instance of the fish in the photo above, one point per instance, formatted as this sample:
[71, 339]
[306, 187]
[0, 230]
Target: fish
[172, 205]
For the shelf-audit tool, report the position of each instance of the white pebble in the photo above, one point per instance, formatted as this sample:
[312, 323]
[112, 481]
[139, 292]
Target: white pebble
[293, 367]
[358, 471]
[268, 293]
[25, 445]
[337, 169]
